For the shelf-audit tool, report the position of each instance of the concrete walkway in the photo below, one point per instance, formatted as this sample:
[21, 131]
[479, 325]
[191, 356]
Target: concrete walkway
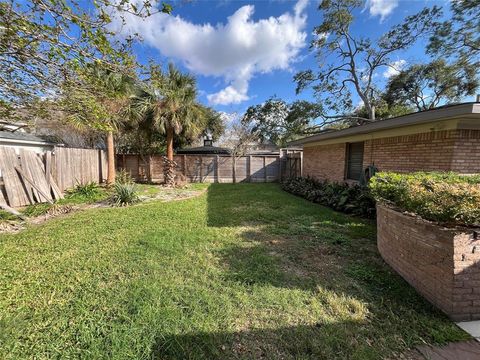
[471, 327]
[463, 350]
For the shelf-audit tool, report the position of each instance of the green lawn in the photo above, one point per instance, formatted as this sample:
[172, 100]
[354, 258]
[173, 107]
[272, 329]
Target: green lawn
[243, 271]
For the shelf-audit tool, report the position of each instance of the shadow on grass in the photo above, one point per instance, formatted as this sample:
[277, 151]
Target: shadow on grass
[288, 242]
[320, 341]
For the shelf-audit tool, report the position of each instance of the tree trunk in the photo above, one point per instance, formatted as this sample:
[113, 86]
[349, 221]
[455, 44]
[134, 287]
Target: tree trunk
[170, 144]
[110, 159]
[169, 165]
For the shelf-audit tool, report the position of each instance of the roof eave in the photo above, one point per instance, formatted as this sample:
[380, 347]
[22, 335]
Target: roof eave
[27, 142]
[397, 122]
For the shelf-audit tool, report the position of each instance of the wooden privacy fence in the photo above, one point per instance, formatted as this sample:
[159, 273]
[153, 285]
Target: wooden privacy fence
[209, 168]
[28, 178]
[72, 166]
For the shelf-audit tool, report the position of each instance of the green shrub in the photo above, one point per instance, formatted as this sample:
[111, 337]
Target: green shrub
[124, 194]
[89, 190]
[446, 198]
[35, 210]
[6, 216]
[352, 199]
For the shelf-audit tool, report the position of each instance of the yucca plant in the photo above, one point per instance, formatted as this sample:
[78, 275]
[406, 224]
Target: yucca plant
[125, 194]
[124, 177]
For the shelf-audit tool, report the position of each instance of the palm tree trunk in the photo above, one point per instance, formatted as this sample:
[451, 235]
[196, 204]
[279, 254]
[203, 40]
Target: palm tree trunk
[169, 164]
[110, 159]
[234, 169]
[170, 144]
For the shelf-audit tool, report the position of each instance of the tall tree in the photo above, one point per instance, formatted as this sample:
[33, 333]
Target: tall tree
[279, 122]
[100, 98]
[142, 136]
[383, 110]
[459, 36]
[426, 86]
[42, 40]
[169, 103]
[348, 63]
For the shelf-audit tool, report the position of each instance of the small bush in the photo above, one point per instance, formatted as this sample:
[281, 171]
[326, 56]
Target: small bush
[124, 194]
[6, 216]
[446, 198]
[352, 199]
[36, 209]
[123, 177]
[89, 190]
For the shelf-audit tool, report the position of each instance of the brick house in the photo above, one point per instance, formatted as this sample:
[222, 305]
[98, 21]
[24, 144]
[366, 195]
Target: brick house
[441, 139]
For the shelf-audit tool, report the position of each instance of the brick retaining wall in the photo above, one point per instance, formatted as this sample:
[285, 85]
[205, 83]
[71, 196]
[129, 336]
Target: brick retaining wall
[442, 264]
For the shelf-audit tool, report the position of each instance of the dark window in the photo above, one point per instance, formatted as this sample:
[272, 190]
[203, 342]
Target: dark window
[354, 160]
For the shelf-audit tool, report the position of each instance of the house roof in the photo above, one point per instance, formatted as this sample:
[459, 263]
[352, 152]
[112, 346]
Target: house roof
[21, 137]
[422, 117]
[204, 150]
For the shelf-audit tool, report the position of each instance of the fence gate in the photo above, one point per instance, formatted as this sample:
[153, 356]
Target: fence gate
[292, 166]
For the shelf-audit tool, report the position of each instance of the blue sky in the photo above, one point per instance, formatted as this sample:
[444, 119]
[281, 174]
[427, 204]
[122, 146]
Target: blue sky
[243, 52]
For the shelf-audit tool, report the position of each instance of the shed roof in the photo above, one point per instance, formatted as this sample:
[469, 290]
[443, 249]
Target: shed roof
[22, 137]
[204, 150]
[422, 117]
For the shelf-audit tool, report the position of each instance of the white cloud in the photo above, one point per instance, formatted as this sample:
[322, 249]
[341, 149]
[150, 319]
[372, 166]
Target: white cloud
[381, 8]
[235, 50]
[394, 68]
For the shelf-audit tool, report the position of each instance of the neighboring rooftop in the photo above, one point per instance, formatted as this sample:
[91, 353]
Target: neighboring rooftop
[22, 137]
[471, 109]
[204, 150]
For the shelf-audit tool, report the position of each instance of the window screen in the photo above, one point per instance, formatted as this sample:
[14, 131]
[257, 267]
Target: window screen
[354, 160]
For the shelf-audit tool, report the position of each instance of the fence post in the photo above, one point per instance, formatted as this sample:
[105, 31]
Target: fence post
[301, 163]
[249, 168]
[265, 168]
[185, 165]
[234, 169]
[279, 159]
[215, 169]
[150, 177]
[201, 165]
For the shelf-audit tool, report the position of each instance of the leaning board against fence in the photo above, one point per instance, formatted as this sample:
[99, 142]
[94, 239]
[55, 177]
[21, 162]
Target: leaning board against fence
[27, 177]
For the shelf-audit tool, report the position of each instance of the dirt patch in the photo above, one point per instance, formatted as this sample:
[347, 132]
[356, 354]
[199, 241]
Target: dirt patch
[10, 226]
[167, 194]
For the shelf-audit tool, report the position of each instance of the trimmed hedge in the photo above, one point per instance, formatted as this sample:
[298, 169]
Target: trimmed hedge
[447, 198]
[351, 199]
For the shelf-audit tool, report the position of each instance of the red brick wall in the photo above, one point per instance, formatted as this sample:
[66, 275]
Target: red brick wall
[447, 150]
[325, 162]
[426, 151]
[466, 152]
[441, 264]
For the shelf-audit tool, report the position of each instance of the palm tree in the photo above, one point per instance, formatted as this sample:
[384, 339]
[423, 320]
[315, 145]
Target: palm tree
[102, 99]
[169, 103]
